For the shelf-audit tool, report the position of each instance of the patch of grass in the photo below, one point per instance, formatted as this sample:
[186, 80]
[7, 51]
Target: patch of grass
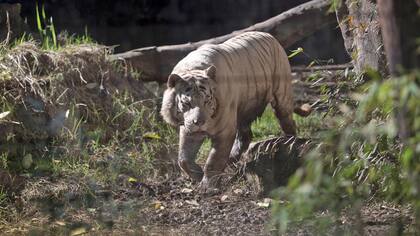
[266, 125]
[3, 197]
[204, 151]
[65, 39]
[3, 205]
[46, 28]
[308, 126]
[71, 166]
[3, 160]
[130, 151]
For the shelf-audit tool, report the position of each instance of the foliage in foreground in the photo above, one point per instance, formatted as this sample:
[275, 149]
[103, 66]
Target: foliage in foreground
[361, 159]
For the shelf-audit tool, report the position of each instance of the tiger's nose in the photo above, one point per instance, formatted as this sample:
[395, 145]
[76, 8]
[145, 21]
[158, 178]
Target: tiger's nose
[197, 122]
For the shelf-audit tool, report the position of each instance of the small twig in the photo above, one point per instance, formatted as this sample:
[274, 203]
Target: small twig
[8, 28]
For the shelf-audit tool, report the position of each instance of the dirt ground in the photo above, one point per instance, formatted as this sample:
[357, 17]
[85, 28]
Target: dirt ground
[238, 211]
[170, 205]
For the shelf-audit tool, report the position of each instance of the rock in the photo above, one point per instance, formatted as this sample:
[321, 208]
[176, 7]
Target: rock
[27, 161]
[274, 160]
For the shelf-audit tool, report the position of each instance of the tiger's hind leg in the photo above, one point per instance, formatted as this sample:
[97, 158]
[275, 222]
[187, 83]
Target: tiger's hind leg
[242, 140]
[287, 123]
[283, 108]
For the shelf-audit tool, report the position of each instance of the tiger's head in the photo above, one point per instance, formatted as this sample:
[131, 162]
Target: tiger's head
[189, 99]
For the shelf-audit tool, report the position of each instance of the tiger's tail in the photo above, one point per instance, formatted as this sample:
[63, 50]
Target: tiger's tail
[304, 110]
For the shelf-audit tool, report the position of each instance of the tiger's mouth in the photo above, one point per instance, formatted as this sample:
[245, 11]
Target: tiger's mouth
[192, 129]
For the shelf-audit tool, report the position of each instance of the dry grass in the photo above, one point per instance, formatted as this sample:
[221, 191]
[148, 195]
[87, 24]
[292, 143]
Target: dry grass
[54, 93]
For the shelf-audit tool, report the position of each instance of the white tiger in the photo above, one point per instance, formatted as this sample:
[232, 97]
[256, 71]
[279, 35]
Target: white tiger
[219, 90]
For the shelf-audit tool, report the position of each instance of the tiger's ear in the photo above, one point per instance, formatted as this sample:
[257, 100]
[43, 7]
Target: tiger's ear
[173, 79]
[211, 72]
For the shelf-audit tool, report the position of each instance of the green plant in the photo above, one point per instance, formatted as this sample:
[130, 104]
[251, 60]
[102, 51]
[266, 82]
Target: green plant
[295, 52]
[3, 160]
[335, 4]
[46, 29]
[314, 61]
[3, 203]
[265, 125]
[268, 125]
[3, 197]
[362, 157]
[77, 39]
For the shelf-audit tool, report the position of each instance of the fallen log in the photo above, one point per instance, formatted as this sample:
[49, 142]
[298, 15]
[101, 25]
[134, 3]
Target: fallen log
[322, 68]
[156, 62]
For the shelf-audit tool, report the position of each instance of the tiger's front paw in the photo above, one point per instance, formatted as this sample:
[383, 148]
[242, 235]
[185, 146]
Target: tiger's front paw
[191, 169]
[209, 186]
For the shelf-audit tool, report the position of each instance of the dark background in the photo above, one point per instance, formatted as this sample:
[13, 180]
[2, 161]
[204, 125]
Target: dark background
[138, 23]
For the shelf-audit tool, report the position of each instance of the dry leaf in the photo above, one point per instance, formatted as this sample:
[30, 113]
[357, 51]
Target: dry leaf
[132, 180]
[78, 231]
[4, 114]
[268, 200]
[158, 205]
[238, 191]
[186, 190]
[263, 204]
[192, 202]
[151, 135]
[91, 85]
[61, 223]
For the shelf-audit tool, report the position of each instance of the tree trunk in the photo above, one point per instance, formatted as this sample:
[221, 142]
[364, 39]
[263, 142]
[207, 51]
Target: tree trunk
[408, 21]
[390, 35]
[359, 24]
[399, 25]
[391, 38]
[155, 63]
[401, 56]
